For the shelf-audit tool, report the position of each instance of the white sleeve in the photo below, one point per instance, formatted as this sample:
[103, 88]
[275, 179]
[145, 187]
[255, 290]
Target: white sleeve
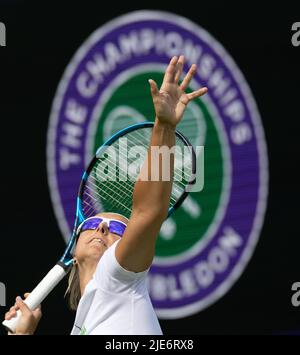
[109, 268]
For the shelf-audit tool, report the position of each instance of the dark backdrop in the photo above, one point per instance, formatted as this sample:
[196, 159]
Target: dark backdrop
[41, 39]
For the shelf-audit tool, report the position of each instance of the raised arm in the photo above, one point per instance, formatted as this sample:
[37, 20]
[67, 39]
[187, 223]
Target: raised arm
[151, 199]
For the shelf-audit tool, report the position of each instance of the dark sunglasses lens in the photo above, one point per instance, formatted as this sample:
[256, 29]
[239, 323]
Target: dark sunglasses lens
[91, 224]
[117, 228]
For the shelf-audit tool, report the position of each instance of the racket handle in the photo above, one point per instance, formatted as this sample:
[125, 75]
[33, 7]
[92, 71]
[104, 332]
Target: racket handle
[54, 276]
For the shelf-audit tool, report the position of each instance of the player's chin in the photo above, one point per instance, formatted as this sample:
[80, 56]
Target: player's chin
[94, 255]
[97, 248]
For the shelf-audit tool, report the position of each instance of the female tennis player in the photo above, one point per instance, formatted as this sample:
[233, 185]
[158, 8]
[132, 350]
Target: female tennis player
[107, 283]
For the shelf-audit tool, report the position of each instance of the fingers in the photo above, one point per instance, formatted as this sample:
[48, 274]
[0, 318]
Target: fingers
[179, 68]
[186, 81]
[188, 77]
[37, 313]
[153, 87]
[170, 71]
[22, 306]
[174, 70]
[11, 313]
[197, 93]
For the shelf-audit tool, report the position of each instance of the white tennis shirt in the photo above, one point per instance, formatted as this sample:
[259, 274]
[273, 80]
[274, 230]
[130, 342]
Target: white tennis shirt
[115, 301]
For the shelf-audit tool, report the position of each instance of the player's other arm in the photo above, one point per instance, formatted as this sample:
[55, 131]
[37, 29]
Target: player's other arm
[151, 199]
[150, 207]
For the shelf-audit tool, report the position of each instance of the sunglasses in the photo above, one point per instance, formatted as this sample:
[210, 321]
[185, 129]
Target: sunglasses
[92, 223]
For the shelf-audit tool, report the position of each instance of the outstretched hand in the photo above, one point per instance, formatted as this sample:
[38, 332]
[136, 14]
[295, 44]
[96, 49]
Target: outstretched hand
[171, 100]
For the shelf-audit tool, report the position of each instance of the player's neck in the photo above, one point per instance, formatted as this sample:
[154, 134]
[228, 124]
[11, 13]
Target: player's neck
[86, 272]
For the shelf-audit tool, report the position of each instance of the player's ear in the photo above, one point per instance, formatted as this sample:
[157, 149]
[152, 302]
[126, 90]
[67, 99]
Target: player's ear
[75, 261]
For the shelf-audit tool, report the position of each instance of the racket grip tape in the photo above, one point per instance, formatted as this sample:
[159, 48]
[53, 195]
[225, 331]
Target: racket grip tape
[54, 276]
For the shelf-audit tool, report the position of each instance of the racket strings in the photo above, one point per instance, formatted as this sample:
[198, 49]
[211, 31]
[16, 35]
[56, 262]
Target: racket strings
[104, 194]
[111, 179]
[121, 197]
[117, 192]
[177, 176]
[111, 176]
[178, 143]
[129, 187]
[113, 194]
[104, 191]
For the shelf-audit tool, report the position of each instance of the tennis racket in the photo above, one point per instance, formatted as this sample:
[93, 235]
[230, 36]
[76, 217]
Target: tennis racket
[107, 186]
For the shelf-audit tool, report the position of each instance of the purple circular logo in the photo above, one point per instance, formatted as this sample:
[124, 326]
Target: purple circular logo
[204, 247]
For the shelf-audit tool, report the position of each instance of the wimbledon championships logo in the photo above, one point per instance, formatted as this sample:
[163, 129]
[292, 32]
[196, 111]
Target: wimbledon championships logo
[204, 247]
